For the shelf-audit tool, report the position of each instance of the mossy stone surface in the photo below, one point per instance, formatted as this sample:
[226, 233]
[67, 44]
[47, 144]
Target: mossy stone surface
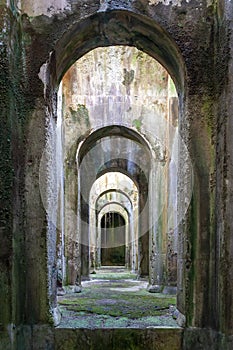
[116, 303]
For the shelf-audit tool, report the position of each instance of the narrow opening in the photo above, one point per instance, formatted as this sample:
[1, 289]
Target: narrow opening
[113, 193]
[112, 229]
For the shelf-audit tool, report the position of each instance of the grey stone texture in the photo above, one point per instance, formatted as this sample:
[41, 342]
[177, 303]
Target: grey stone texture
[39, 41]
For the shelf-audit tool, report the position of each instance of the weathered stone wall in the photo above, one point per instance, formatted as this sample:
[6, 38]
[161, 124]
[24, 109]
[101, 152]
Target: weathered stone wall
[23, 228]
[192, 39]
[224, 174]
[6, 175]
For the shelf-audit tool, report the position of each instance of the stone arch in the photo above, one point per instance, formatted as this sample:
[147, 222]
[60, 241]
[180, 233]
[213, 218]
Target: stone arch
[108, 131]
[117, 191]
[114, 206]
[117, 27]
[129, 168]
[151, 39]
[161, 52]
[132, 209]
[199, 126]
[111, 209]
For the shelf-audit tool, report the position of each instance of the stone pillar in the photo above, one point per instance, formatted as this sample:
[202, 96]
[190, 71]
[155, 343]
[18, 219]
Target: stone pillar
[85, 240]
[40, 217]
[196, 257]
[93, 237]
[156, 276]
[143, 234]
[171, 263]
[133, 240]
[72, 224]
[171, 207]
[10, 196]
[85, 269]
[98, 242]
[225, 193]
[127, 243]
[61, 266]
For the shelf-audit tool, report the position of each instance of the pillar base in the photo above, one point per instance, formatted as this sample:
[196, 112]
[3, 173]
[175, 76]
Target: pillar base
[77, 289]
[73, 289]
[61, 291]
[154, 288]
[85, 278]
[171, 290]
[178, 316]
[56, 316]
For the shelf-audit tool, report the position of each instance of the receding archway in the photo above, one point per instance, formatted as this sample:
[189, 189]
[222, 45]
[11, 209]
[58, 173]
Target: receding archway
[112, 140]
[137, 124]
[94, 163]
[112, 224]
[114, 187]
[138, 26]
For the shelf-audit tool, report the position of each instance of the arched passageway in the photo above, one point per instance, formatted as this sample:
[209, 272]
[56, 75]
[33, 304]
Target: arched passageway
[123, 144]
[114, 187]
[105, 152]
[131, 130]
[112, 229]
[39, 43]
[128, 147]
[94, 144]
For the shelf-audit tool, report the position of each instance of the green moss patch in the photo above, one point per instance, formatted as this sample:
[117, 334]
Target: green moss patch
[114, 276]
[116, 303]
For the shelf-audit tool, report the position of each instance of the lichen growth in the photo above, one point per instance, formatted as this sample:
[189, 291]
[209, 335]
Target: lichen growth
[137, 123]
[80, 115]
[128, 77]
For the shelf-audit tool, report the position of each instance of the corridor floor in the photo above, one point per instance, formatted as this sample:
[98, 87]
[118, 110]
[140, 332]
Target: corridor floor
[114, 298]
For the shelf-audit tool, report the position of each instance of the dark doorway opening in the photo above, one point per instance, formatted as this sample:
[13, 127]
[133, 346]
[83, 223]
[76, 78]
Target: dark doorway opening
[112, 234]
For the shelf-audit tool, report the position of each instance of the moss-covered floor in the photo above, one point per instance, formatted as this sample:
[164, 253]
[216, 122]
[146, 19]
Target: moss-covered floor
[114, 298]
